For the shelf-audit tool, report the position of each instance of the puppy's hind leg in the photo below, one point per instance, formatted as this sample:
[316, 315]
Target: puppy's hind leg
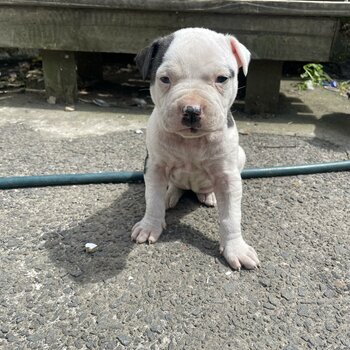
[207, 199]
[172, 196]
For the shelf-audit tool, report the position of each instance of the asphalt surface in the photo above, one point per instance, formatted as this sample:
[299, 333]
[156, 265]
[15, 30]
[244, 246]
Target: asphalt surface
[178, 293]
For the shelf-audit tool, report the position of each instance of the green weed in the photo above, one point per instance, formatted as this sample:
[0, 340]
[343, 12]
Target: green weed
[313, 75]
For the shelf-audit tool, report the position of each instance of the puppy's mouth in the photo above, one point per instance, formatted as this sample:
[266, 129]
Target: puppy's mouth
[192, 132]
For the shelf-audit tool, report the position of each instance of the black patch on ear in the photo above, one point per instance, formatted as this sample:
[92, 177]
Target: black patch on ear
[145, 164]
[230, 120]
[150, 58]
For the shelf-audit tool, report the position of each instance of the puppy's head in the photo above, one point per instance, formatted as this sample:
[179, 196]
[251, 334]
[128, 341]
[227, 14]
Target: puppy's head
[193, 74]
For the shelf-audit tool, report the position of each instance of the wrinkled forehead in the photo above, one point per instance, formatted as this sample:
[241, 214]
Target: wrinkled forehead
[198, 51]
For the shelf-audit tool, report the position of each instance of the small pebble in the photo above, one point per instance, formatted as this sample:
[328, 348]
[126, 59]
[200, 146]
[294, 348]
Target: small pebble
[286, 294]
[269, 306]
[265, 282]
[273, 300]
[151, 293]
[69, 108]
[11, 338]
[5, 329]
[301, 292]
[156, 328]
[138, 131]
[331, 327]
[340, 284]
[101, 103]
[124, 339]
[303, 311]
[90, 247]
[329, 293]
[196, 312]
[75, 272]
[140, 102]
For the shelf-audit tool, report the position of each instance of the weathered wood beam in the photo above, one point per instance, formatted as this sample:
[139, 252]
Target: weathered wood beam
[263, 86]
[60, 75]
[256, 7]
[268, 37]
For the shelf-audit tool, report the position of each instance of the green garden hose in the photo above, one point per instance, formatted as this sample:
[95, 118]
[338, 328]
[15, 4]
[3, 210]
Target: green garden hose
[14, 182]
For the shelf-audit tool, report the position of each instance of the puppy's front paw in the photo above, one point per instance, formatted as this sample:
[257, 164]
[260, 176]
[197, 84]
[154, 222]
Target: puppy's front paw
[145, 231]
[238, 253]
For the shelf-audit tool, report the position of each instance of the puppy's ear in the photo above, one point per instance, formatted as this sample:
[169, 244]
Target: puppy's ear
[144, 59]
[241, 53]
[151, 57]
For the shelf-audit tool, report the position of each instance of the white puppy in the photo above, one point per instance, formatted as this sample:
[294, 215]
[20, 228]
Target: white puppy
[192, 139]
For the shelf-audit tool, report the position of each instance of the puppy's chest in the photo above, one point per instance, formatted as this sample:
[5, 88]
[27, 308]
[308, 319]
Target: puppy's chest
[190, 176]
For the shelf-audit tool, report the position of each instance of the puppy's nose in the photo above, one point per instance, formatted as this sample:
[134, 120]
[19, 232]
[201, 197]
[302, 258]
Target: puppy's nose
[189, 111]
[191, 115]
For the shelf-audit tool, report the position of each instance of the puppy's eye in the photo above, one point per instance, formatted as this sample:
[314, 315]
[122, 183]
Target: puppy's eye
[165, 80]
[221, 79]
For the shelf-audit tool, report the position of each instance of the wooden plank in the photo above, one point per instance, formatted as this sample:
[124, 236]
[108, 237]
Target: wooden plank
[165, 20]
[270, 7]
[278, 38]
[287, 48]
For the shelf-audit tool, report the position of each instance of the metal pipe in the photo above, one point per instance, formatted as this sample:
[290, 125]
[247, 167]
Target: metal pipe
[14, 182]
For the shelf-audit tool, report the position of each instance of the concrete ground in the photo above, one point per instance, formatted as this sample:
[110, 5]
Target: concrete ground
[178, 293]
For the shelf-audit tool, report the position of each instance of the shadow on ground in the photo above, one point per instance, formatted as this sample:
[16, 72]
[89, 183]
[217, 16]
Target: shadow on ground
[337, 121]
[110, 229]
[326, 124]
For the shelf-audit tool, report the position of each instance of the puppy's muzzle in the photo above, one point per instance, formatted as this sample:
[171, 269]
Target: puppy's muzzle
[191, 116]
